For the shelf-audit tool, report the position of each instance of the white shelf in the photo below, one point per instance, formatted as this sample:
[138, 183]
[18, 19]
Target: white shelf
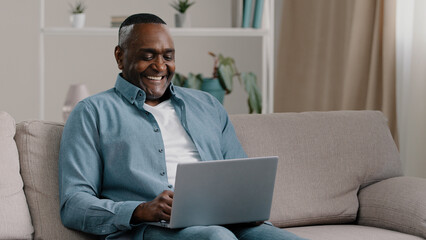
[176, 32]
[218, 32]
[59, 31]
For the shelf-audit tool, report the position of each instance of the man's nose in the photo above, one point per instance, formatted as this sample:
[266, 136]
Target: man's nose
[159, 65]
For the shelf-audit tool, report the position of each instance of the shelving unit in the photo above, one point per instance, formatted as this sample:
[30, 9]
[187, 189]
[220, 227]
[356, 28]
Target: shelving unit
[176, 32]
[266, 34]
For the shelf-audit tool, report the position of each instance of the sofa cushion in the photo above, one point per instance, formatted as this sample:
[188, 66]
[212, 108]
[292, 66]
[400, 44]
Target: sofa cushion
[325, 158]
[349, 232]
[38, 145]
[15, 219]
[398, 204]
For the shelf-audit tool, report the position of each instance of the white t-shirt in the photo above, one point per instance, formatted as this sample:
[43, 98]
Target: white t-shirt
[178, 146]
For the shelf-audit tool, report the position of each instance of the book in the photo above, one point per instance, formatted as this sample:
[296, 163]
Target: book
[257, 16]
[117, 20]
[247, 9]
[237, 13]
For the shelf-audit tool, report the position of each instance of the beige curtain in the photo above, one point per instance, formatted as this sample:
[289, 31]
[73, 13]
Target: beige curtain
[337, 55]
[411, 84]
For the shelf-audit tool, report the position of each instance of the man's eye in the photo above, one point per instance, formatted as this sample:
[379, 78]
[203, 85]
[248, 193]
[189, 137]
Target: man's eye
[168, 57]
[147, 57]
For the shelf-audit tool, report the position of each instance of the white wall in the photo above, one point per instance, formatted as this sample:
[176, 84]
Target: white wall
[19, 86]
[90, 60]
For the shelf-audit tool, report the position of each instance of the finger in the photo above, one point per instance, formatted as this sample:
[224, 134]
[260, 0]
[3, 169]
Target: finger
[171, 194]
[168, 193]
[169, 202]
[165, 217]
[166, 197]
[167, 210]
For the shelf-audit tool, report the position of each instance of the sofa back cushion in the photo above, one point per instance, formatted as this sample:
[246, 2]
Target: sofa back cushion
[324, 159]
[38, 145]
[15, 219]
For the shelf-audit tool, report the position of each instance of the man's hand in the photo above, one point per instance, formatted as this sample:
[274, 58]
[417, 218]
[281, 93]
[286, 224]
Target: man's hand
[156, 210]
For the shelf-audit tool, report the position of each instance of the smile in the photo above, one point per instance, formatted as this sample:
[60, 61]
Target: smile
[154, 78]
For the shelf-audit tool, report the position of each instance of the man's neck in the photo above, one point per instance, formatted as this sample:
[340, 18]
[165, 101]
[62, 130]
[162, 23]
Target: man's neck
[155, 102]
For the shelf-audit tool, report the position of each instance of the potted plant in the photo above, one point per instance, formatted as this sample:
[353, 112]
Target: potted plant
[181, 18]
[221, 82]
[78, 17]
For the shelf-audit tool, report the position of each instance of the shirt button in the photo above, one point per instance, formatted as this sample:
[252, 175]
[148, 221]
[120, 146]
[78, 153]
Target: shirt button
[162, 173]
[160, 150]
[156, 130]
[170, 186]
[147, 113]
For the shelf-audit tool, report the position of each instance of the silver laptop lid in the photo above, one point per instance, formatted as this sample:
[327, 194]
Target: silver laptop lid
[223, 192]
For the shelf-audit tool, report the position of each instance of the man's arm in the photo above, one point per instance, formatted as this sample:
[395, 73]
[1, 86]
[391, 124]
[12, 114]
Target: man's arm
[231, 146]
[80, 179]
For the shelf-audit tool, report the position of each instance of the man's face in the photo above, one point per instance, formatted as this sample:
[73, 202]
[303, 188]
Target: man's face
[147, 59]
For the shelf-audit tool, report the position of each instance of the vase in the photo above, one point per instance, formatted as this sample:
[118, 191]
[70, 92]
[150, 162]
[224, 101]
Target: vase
[75, 94]
[212, 86]
[78, 20]
[182, 20]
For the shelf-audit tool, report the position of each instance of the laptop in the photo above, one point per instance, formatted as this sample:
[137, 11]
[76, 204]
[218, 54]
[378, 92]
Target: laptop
[222, 192]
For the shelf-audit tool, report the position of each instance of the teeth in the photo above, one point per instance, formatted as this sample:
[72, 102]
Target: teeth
[154, 78]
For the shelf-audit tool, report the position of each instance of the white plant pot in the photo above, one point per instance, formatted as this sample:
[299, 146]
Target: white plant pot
[78, 20]
[182, 20]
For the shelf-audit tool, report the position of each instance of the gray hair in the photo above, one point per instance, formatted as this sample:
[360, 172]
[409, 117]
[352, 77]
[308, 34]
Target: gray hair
[124, 34]
[126, 26]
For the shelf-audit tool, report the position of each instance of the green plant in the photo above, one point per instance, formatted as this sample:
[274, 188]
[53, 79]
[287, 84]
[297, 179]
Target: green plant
[79, 7]
[225, 70]
[182, 5]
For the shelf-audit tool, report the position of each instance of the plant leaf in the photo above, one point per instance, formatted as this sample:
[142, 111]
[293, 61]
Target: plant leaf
[181, 5]
[179, 80]
[226, 74]
[194, 81]
[254, 95]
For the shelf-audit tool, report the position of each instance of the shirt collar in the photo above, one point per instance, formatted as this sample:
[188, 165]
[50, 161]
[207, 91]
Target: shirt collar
[133, 93]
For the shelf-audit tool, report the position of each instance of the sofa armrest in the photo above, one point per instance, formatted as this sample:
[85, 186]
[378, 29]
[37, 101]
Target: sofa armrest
[397, 203]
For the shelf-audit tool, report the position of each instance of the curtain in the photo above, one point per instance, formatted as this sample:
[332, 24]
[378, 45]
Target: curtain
[337, 55]
[411, 84]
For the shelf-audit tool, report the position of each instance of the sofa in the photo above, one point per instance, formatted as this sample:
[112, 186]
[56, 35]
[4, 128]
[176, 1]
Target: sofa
[339, 177]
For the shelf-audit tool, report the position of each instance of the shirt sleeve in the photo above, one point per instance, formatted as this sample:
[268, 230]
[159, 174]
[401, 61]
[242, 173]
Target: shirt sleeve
[80, 179]
[231, 146]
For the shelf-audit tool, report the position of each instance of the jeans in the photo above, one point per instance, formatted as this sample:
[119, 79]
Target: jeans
[229, 232]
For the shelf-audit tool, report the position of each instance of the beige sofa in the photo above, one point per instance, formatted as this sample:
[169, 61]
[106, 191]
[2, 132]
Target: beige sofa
[339, 177]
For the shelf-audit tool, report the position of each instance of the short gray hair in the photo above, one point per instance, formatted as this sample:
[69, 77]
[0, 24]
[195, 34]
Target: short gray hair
[124, 34]
[127, 26]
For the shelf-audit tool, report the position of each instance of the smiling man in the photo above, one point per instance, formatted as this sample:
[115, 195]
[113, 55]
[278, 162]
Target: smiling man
[120, 148]
[146, 56]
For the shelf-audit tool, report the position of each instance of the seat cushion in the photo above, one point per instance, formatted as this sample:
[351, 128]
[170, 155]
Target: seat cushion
[15, 219]
[324, 159]
[349, 232]
[38, 145]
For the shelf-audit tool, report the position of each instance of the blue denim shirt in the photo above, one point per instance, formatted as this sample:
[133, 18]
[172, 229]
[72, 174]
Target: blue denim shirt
[112, 155]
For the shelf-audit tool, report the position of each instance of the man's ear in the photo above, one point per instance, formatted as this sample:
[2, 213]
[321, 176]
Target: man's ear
[118, 53]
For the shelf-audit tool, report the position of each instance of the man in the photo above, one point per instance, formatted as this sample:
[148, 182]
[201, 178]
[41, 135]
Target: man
[120, 148]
